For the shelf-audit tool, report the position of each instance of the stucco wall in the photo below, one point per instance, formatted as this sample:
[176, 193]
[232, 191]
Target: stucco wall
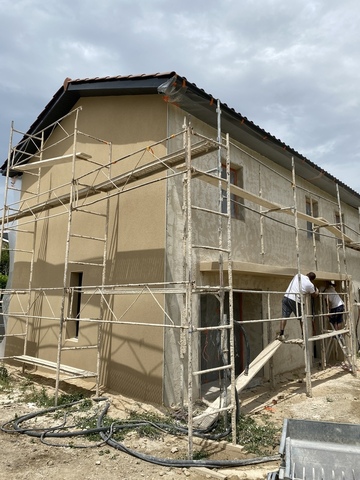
[131, 356]
[271, 245]
[145, 245]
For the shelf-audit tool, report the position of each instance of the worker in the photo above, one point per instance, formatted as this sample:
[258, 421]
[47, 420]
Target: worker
[334, 305]
[291, 302]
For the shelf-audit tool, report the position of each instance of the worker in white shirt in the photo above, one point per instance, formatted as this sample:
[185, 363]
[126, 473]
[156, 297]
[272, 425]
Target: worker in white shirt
[334, 304]
[291, 302]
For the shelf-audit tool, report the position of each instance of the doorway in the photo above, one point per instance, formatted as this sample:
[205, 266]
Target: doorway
[246, 306]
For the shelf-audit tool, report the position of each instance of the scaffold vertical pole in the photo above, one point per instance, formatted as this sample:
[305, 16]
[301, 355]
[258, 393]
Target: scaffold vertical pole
[189, 278]
[304, 318]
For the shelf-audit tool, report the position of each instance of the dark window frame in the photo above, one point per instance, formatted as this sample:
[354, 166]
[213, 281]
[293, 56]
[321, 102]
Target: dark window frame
[312, 209]
[340, 224]
[236, 203]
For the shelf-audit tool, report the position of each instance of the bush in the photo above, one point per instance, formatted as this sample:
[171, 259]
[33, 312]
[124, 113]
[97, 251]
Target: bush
[3, 280]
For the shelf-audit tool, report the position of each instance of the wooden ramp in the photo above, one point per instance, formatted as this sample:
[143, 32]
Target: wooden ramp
[206, 419]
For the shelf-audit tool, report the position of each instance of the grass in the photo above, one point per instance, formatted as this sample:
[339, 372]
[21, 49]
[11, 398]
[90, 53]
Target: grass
[259, 436]
[260, 439]
[41, 398]
[146, 430]
[201, 454]
[5, 380]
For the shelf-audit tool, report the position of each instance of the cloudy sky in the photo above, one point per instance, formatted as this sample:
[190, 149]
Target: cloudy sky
[290, 66]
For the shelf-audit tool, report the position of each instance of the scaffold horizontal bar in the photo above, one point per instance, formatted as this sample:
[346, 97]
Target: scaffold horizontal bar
[208, 247]
[73, 262]
[86, 347]
[87, 237]
[207, 210]
[216, 369]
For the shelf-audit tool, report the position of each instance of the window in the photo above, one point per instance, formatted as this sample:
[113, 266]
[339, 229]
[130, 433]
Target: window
[236, 203]
[340, 224]
[73, 326]
[312, 209]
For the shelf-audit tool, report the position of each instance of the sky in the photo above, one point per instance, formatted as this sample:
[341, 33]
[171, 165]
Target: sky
[289, 66]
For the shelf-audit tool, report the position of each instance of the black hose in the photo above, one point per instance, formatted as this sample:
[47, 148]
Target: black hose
[106, 433]
[182, 463]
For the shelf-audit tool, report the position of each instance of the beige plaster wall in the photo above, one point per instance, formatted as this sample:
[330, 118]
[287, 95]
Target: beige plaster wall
[131, 356]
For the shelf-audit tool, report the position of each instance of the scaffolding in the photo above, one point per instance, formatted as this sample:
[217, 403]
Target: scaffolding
[92, 184]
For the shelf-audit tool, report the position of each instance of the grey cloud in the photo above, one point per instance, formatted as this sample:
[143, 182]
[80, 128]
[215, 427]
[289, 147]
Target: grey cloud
[289, 66]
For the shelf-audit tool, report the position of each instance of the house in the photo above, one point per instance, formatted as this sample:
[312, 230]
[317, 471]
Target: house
[151, 218]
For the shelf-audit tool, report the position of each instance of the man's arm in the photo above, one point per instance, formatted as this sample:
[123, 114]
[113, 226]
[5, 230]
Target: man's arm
[315, 293]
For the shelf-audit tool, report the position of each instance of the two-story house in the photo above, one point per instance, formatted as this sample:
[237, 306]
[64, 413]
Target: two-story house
[156, 232]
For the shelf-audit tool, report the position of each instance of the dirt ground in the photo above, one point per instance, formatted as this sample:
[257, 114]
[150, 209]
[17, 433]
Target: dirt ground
[335, 397]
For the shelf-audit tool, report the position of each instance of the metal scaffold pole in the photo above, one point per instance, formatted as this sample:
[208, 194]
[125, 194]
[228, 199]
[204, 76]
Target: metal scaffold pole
[66, 262]
[349, 356]
[189, 286]
[304, 319]
[231, 304]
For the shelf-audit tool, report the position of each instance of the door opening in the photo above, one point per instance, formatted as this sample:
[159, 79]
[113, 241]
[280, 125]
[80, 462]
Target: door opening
[246, 306]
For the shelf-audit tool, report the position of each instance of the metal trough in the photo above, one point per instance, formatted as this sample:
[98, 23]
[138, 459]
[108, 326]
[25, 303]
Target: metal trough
[312, 450]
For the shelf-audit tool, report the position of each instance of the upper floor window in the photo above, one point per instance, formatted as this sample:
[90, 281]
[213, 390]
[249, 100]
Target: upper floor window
[312, 209]
[236, 202]
[340, 224]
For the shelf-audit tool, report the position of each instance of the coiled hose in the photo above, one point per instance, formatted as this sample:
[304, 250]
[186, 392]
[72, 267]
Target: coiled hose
[106, 434]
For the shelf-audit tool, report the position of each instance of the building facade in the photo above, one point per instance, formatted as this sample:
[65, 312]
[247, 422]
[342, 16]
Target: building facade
[156, 233]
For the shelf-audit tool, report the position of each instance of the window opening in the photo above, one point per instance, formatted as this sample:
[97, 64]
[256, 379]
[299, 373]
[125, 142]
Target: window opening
[73, 326]
[312, 209]
[236, 202]
[340, 223]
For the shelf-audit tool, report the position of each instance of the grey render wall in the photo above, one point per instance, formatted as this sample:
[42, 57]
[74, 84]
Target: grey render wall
[273, 182]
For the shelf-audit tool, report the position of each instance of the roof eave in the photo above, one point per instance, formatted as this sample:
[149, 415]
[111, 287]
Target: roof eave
[201, 105]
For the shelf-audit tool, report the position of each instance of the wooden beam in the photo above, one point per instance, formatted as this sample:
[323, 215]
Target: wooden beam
[251, 197]
[49, 162]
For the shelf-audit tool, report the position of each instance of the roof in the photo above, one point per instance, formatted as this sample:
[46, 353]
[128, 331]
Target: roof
[197, 103]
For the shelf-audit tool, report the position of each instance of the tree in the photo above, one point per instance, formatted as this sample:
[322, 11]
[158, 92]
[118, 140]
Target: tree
[4, 265]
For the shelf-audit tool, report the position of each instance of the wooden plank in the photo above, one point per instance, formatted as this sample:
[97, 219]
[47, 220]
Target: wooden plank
[257, 364]
[49, 162]
[53, 366]
[332, 333]
[240, 192]
[251, 197]
[241, 381]
[125, 179]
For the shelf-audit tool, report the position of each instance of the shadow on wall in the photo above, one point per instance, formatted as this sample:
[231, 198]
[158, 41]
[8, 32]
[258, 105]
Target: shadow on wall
[131, 383]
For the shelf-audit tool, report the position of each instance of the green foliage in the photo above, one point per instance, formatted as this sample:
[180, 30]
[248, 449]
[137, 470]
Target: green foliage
[4, 260]
[66, 398]
[256, 438]
[25, 384]
[39, 397]
[3, 281]
[148, 430]
[201, 455]
[5, 380]
[89, 423]
[104, 452]
[4, 374]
